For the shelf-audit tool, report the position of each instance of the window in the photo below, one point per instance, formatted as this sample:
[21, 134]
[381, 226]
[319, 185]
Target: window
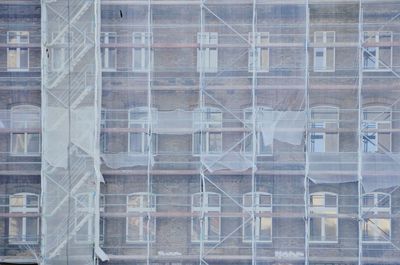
[261, 53]
[139, 227]
[207, 135]
[59, 51]
[84, 203]
[324, 56]
[323, 221]
[324, 135]
[377, 51]
[210, 204]
[17, 57]
[264, 146]
[103, 134]
[139, 121]
[140, 52]
[207, 53]
[24, 230]
[263, 224]
[25, 119]
[376, 129]
[376, 212]
[108, 53]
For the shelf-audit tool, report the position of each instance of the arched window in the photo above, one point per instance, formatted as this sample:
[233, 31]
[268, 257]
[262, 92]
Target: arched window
[264, 119]
[25, 125]
[139, 228]
[139, 121]
[376, 125]
[263, 224]
[25, 229]
[376, 210]
[323, 217]
[324, 136]
[207, 134]
[210, 204]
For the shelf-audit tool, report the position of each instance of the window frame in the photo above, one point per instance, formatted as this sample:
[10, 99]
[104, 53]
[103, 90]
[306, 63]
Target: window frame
[249, 122]
[202, 124]
[324, 49]
[107, 50]
[375, 125]
[259, 209]
[24, 209]
[317, 123]
[18, 34]
[144, 52]
[206, 53]
[141, 210]
[25, 109]
[366, 39]
[314, 211]
[259, 37]
[143, 123]
[375, 210]
[206, 208]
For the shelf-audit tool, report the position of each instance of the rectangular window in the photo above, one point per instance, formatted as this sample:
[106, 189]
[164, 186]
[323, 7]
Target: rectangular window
[108, 53]
[23, 229]
[377, 51]
[60, 51]
[139, 228]
[207, 53]
[324, 136]
[17, 57]
[376, 129]
[84, 218]
[210, 225]
[259, 61]
[324, 56]
[263, 224]
[208, 135]
[263, 144]
[141, 52]
[376, 210]
[323, 218]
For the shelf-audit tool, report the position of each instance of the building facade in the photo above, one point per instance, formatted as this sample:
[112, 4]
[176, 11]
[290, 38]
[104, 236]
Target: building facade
[200, 132]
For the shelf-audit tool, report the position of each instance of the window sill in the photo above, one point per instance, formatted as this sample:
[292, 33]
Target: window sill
[323, 242]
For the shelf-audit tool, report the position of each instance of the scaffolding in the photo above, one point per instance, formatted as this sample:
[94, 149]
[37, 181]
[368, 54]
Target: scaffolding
[227, 131]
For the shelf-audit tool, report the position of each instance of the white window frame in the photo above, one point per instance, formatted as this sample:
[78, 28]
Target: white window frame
[144, 52]
[206, 208]
[259, 209]
[24, 209]
[376, 39]
[141, 213]
[87, 210]
[314, 211]
[248, 124]
[207, 52]
[202, 125]
[29, 110]
[107, 51]
[18, 51]
[324, 50]
[374, 124]
[142, 124]
[261, 38]
[322, 124]
[375, 209]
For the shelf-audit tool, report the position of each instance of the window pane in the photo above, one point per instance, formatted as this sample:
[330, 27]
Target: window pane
[319, 60]
[111, 58]
[134, 201]
[12, 37]
[133, 233]
[370, 58]
[33, 143]
[31, 229]
[136, 142]
[330, 229]
[32, 201]
[18, 143]
[315, 228]
[24, 59]
[15, 229]
[17, 201]
[12, 58]
[247, 235]
[196, 228]
[330, 200]
[265, 228]
[137, 59]
[215, 142]
[213, 228]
